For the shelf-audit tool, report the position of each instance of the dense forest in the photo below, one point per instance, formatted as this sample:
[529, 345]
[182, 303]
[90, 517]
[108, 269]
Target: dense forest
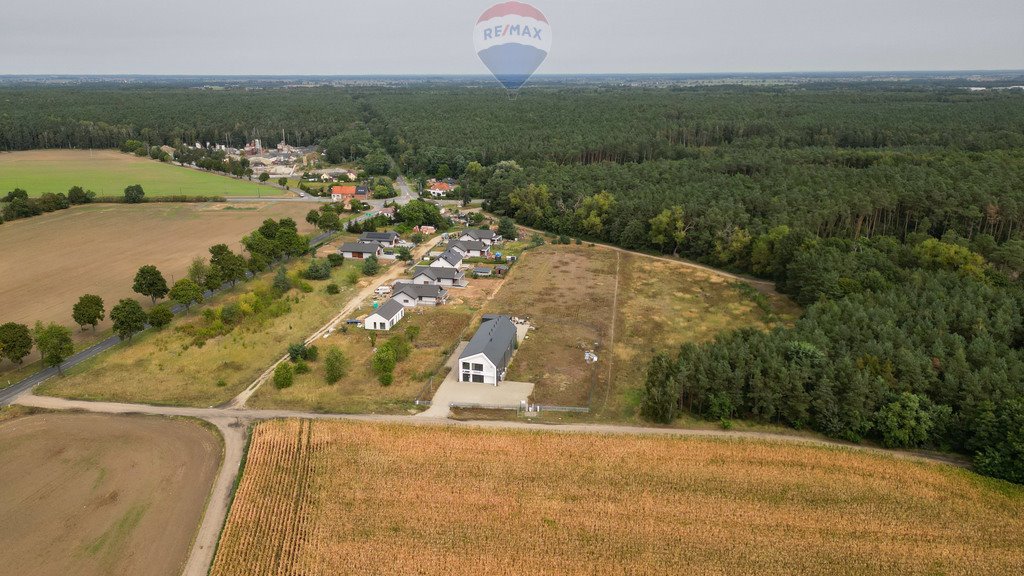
[893, 212]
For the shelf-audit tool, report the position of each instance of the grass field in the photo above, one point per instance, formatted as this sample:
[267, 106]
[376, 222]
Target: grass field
[95, 495]
[167, 367]
[573, 294]
[51, 260]
[109, 172]
[399, 499]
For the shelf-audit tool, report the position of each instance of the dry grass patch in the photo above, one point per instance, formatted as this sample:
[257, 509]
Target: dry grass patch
[663, 305]
[358, 391]
[166, 367]
[89, 494]
[567, 294]
[398, 499]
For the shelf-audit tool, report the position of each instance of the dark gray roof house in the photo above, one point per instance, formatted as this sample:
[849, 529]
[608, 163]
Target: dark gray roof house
[409, 294]
[382, 237]
[360, 248]
[490, 350]
[453, 259]
[437, 274]
[477, 234]
[467, 246]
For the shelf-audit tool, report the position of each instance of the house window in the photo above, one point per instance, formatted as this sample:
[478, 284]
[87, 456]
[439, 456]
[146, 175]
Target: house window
[465, 377]
[478, 367]
[466, 366]
[478, 377]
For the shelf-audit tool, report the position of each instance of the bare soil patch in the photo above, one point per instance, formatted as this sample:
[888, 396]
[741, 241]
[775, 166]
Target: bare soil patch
[88, 494]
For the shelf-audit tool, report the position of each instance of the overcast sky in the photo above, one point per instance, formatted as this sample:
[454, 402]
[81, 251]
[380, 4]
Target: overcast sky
[589, 36]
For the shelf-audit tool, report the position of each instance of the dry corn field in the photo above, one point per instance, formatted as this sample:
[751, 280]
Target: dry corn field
[359, 498]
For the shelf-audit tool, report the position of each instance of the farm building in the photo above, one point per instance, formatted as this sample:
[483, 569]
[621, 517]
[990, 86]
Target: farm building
[361, 250]
[385, 316]
[500, 270]
[490, 350]
[470, 248]
[482, 271]
[440, 276]
[447, 259]
[388, 239]
[488, 237]
[410, 295]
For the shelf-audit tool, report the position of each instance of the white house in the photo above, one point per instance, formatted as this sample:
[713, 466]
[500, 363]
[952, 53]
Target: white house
[361, 250]
[409, 295]
[439, 189]
[488, 353]
[448, 277]
[385, 316]
[488, 237]
[447, 259]
[470, 248]
[387, 239]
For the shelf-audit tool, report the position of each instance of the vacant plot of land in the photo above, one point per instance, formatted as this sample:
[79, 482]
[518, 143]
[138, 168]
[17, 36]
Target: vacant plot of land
[169, 367]
[95, 495]
[573, 294]
[109, 172]
[394, 499]
[662, 305]
[51, 260]
[568, 294]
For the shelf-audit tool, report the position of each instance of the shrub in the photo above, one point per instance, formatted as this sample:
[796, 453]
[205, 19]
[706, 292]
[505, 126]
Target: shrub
[333, 289]
[312, 353]
[335, 365]
[318, 270]
[296, 351]
[231, 313]
[412, 332]
[352, 277]
[160, 316]
[335, 260]
[283, 376]
[400, 346]
[301, 367]
[384, 361]
[371, 266]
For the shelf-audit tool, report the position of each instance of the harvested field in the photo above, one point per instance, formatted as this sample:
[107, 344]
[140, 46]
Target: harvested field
[168, 367]
[398, 499]
[88, 494]
[51, 260]
[109, 172]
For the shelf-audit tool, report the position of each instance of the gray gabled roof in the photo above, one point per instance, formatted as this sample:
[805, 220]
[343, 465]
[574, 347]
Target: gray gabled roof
[377, 236]
[420, 290]
[468, 245]
[389, 309]
[478, 234]
[360, 247]
[435, 273]
[495, 339]
[453, 258]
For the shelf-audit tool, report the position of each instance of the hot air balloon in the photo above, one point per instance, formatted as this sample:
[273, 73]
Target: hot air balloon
[512, 39]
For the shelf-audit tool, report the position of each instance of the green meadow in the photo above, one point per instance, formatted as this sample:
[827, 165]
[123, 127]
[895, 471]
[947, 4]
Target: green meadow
[108, 172]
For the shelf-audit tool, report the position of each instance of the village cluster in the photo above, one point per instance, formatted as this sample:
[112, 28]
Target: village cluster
[487, 355]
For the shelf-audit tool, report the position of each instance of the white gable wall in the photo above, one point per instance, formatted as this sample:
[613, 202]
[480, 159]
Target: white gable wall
[477, 368]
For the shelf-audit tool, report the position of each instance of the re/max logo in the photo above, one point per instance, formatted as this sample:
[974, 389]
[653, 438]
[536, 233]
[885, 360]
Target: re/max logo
[512, 30]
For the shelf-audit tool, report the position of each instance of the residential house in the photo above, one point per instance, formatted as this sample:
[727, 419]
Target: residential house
[387, 239]
[449, 277]
[388, 212]
[362, 192]
[439, 189]
[410, 295]
[447, 259]
[385, 316]
[470, 248]
[426, 230]
[361, 250]
[488, 353]
[488, 237]
[342, 193]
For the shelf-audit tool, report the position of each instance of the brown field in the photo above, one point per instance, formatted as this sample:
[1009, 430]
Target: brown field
[51, 260]
[166, 367]
[358, 391]
[324, 497]
[91, 494]
[571, 295]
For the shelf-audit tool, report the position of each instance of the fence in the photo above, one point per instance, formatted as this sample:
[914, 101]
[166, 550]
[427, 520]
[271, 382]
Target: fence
[536, 408]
